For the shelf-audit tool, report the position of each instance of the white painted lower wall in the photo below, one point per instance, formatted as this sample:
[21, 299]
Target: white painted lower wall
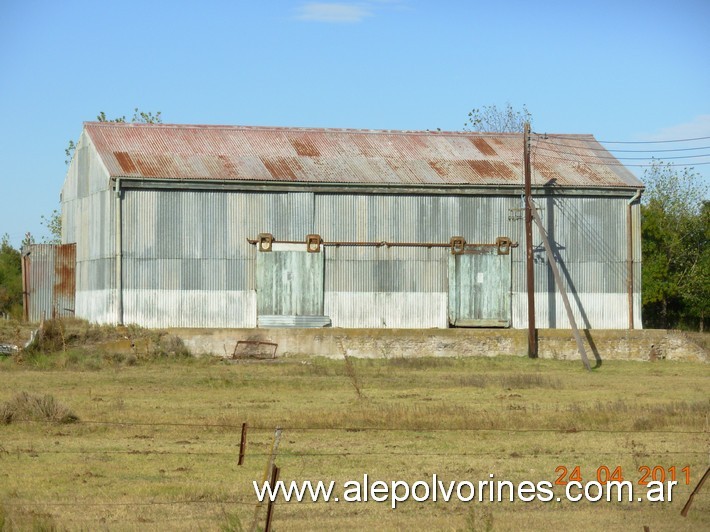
[381, 310]
[189, 308]
[600, 311]
[97, 306]
[378, 310]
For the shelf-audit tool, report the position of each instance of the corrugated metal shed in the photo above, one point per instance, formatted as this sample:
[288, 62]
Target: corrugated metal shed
[305, 155]
[49, 280]
[165, 217]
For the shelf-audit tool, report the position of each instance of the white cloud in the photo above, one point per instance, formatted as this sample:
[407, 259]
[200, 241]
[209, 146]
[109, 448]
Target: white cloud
[698, 127]
[333, 12]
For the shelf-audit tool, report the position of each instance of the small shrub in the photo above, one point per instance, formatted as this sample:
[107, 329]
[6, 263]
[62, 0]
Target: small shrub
[169, 345]
[352, 375]
[30, 407]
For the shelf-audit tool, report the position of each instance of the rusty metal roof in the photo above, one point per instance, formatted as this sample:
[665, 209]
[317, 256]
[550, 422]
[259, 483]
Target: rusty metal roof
[244, 153]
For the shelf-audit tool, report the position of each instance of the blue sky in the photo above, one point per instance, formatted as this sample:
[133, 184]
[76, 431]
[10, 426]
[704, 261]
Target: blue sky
[621, 70]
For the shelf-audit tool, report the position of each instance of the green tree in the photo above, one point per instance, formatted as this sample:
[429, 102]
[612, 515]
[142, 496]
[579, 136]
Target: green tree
[697, 297]
[491, 119]
[674, 231]
[139, 117]
[10, 279]
[53, 223]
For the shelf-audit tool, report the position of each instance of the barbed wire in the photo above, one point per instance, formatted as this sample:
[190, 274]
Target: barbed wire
[371, 428]
[83, 503]
[297, 454]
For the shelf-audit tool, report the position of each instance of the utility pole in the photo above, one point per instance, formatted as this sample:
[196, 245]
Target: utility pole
[558, 280]
[530, 277]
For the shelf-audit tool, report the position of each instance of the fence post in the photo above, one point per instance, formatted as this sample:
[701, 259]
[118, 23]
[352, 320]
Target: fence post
[267, 471]
[242, 444]
[684, 511]
[270, 508]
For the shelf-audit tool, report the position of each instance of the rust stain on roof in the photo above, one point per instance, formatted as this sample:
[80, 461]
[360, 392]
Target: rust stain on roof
[279, 168]
[503, 170]
[483, 146]
[228, 166]
[586, 172]
[546, 172]
[438, 167]
[153, 166]
[191, 152]
[304, 147]
[124, 160]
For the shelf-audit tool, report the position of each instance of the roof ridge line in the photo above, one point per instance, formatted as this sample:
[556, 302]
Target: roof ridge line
[306, 129]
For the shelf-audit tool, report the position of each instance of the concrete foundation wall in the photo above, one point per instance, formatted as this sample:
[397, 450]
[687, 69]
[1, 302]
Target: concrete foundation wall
[376, 343]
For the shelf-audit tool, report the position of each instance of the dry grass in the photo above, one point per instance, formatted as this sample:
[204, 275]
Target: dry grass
[352, 375]
[85, 341]
[31, 407]
[156, 446]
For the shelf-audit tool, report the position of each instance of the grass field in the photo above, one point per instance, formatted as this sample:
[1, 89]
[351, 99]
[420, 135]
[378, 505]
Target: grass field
[157, 437]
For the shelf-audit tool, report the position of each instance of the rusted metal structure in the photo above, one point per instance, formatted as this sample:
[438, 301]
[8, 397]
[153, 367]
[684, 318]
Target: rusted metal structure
[48, 280]
[227, 226]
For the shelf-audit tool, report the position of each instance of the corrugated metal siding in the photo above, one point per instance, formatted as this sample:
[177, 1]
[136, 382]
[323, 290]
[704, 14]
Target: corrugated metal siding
[589, 236]
[190, 308]
[591, 311]
[293, 321]
[196, 242]
[412, 218]
[590, 239]
[88, 220]
[50, 280]
[186, 261]
[289, 283]
[381, 269]
[350, 156]
[479, 288]
[379, 310]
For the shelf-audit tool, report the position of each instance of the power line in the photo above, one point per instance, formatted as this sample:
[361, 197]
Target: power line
[612, 163]
[565, 145]
[624, 141]
[612, 158]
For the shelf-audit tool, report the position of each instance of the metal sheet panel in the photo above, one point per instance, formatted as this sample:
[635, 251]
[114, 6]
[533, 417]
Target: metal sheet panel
[190, 308]
[289, 283]
[350, 156]
[381, 310]
[591, 310]
[210, 225]
[50, 280]
[97, 306]
[293, 321]
[413, 218]
[479, 288]
[381, 269]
